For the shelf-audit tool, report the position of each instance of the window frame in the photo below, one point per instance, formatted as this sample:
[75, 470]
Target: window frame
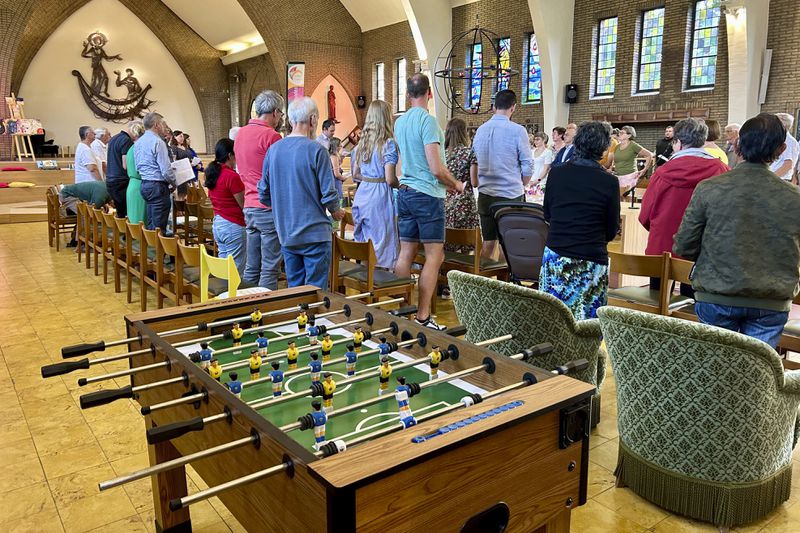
[692, 31]
[640, 61]
[380, 81]
[597, 69]
[527, 65]
[400, 84]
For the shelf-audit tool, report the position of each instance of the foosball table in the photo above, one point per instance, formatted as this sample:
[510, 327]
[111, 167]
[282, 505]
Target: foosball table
[304, 410]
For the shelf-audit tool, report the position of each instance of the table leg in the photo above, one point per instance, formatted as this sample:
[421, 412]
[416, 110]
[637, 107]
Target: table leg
[167, 486]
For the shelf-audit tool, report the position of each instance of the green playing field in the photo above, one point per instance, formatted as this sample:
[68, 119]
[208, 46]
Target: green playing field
[380, 415]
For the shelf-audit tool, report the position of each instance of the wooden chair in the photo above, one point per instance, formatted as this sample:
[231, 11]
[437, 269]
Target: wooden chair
[470, 263]
[83, 235]
[117, 247]
[191, 232]
[150, 244]
[104, 247]
[366, 279]
[205, 221]
[180, 218]
[644, 298]
[140, 264]
[189, 265]
[346, 221]
[171, 285]
[679, 270]
[57, 224]
[220, 268]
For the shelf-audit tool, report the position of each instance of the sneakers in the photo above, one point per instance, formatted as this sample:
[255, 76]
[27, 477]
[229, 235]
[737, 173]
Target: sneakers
[430, 323]
[72, 244]
[446, 294]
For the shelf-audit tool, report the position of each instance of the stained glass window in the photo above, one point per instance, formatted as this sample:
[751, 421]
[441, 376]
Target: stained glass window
[705, 37]
[650, 47]
[504, 62]
[606, 59]
[533, 72]
[400, 84]
[475, 74]
[380, 85]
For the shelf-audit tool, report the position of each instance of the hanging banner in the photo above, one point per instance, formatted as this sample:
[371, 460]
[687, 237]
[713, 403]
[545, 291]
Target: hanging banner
[295, 81]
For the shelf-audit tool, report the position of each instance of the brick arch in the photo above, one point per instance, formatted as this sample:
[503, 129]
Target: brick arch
[199, 61]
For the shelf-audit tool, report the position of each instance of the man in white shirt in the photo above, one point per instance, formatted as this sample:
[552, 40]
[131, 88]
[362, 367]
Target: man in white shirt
[784, 166]
[100, 147]
[87, 168]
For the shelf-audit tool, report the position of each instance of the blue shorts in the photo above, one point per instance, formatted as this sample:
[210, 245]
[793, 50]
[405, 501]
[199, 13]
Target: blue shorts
[420, 217]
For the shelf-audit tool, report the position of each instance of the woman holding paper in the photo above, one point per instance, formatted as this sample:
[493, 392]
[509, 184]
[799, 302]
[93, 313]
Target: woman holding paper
[226, 192]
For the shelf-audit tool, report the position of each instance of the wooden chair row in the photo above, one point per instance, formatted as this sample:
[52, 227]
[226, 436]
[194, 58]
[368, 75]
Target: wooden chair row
[58, 224]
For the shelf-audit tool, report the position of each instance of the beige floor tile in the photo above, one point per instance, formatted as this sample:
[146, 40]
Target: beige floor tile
[21, 450]
[19, 475]
[77, 485]
[624, 502]
[130, 464]
[679, 524]
[14, 431]
[140, 493]
[45, 522]
[132, 524]
[595, 518]
[26, 501]
[219, 527]
[122, 446]
[600, 479]
[605, 454]
[96, 511]
[70, 460]
[49, 442]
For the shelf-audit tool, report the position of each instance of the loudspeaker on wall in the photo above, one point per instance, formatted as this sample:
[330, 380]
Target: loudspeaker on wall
[571, 93]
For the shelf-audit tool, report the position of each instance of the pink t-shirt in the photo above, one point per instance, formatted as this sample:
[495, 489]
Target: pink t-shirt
[222, 199]
[250, 147]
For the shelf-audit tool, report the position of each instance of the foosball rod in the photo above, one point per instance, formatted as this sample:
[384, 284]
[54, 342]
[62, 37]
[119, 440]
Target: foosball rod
[254, 438]
[174, 430]
[334, 447]
[66, 367]
[337, 446]
[99, 346]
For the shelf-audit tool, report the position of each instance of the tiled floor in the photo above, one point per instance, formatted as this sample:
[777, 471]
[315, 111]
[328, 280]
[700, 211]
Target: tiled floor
[53, 454]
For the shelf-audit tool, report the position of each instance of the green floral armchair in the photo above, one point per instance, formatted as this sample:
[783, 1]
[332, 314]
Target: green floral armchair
[490, 308]
[707, 417]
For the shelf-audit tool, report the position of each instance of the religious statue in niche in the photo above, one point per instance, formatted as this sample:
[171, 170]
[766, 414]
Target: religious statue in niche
[332, 105]
[95, 93]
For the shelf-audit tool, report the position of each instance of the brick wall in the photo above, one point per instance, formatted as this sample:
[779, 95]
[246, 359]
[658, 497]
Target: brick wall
[255, 75]
[511, 18]
[784, 40]
[386, 45]
[671, 95]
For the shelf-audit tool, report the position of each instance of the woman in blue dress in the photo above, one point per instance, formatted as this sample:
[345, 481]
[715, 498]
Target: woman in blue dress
[374, 161]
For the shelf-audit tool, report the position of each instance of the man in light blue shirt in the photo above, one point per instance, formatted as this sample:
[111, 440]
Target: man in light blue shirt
[505, 164]
[424, 183]
[152, 161]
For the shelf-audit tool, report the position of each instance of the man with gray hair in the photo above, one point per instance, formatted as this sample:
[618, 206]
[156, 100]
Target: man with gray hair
[158, 178]
[100, 147]
[87, 167]
[116, 167]
[297, 183]
[784, 166]
[251, 144]
[731, 136]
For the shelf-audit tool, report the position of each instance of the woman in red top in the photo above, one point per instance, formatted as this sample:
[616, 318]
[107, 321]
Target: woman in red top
[226, 191]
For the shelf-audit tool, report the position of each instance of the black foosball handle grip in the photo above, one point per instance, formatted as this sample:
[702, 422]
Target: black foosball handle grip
[102, 397]
[173, 431]
[59, 369]
[573, 366]
[456, 331]
[82, 349]
[404, 311]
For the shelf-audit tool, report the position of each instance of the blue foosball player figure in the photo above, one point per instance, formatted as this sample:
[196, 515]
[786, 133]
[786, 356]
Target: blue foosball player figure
[320, 418]
[206, 354]
[315, 367]
[277, 378]
[384, 347]
[402, 394]
[263, 344]
[351, 357]
[313, 333]
[255, 364]
[234, 385]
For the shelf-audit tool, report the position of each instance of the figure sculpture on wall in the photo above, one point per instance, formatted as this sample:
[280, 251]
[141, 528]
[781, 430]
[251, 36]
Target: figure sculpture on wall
[332, 104]
[95, 93]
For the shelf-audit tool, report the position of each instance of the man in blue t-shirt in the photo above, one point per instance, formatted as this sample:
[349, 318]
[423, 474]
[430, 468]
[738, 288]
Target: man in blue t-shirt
[424, 183]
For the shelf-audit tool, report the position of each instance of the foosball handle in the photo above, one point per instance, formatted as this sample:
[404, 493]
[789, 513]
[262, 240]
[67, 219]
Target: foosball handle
[77, 350]
[102, 397]
[456, 331]
[58, 369]
[572, 366]
[404, 311]
[173, 431]
[537, 350]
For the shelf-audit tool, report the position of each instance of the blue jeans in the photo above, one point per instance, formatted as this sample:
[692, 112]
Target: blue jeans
[761, 324]
[263, 249]
[231, 240]
[308, 265]
[156, 194]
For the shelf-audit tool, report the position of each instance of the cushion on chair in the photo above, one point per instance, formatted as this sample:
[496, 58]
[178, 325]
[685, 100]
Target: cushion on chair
[348, 267]
[647, 296]
[468, 260]
[707, 417]
[792, 327]
[381, 278]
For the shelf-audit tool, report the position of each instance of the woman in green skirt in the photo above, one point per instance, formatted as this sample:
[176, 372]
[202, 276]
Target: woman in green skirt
[136, 204]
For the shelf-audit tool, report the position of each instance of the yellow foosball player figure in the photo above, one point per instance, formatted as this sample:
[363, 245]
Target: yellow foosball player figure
[358, 339]
[263, 344]
[255, 364]
[302, 320]
[255, 318]
[327, 346]
[292, 352]
[386, 371]
[436, 358]
[237, 333]
[215, 370]
[328, 388]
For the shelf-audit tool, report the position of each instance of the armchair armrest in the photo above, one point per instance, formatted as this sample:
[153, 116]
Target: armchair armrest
[588, 328]
[791, 382]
